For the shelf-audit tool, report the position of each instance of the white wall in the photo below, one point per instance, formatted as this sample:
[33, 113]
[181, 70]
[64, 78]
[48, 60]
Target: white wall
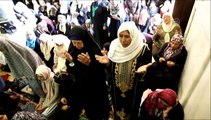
[194, 91]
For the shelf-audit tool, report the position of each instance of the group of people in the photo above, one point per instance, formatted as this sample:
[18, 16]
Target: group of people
[143, 81]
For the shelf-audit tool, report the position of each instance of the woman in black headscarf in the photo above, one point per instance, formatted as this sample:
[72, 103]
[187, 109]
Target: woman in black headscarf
[90, 86]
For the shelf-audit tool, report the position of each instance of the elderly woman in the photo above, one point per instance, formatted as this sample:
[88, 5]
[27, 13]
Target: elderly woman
[166, 71]
[90, 81]
[164, 32]
[161, 104]
[126, 54]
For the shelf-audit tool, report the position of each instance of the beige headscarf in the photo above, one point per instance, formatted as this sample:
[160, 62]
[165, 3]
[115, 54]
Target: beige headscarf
[46, 45]
[44, 71]
[168, 28]
[117, 53]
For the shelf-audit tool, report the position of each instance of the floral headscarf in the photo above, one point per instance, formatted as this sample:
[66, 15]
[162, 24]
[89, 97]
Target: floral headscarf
[169, 52]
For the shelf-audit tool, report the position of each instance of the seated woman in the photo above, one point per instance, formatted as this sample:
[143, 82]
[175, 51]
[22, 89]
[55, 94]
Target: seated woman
[161, 104]
[165, 72]
[48, 104]
[164, 32]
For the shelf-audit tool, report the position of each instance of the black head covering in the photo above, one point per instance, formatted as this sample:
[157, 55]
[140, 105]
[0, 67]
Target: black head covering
[80, 33]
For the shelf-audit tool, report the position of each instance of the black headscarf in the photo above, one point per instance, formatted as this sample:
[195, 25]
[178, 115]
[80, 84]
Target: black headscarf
[80, 33]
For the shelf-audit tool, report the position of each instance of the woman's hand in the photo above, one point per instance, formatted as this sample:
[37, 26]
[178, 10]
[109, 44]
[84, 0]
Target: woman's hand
[161, 59]
[143, 69]
[39, 108]
[102, 59]
[166, 111]
[64, 100]
[170, 63]
[68, 57]
[54, 66]
[84, 58]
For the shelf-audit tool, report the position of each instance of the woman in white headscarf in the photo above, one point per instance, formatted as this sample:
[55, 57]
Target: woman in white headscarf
[164, 32]
[126, 54]
[62, 44]
[47, 104]
[46, 49]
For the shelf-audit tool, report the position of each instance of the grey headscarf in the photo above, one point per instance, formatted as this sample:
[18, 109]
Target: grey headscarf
[22, 62]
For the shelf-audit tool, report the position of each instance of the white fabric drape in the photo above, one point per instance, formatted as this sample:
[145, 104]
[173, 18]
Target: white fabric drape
[194, 92]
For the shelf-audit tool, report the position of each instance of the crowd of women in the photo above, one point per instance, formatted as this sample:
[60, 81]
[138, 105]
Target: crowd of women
[82, 65]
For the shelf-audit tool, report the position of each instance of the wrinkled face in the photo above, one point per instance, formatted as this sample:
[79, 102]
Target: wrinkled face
[125, 38]
[167, 19]
[78, 44]
[175, 44]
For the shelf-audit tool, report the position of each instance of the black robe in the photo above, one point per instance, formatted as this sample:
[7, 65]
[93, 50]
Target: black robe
[90, 90]
[161, 76]
[130, 103]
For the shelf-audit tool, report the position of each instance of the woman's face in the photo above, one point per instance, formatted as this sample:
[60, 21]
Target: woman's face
[167, 19]
[78, 44]
[41, 78]
[125, 38]
[175, 44]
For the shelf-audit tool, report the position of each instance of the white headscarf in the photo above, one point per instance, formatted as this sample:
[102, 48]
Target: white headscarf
[117, 53]
[46, 45]
[61, 39]
[44, 71]
[168, 28]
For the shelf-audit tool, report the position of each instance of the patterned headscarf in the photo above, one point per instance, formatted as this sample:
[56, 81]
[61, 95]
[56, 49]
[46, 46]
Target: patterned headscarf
[169, 52]
[118, 53]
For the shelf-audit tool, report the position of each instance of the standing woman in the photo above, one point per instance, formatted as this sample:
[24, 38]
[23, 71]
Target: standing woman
[114, 20]
[164, 32]
[99, 14]
[90, 80]
[46, 49]
[126, 54]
